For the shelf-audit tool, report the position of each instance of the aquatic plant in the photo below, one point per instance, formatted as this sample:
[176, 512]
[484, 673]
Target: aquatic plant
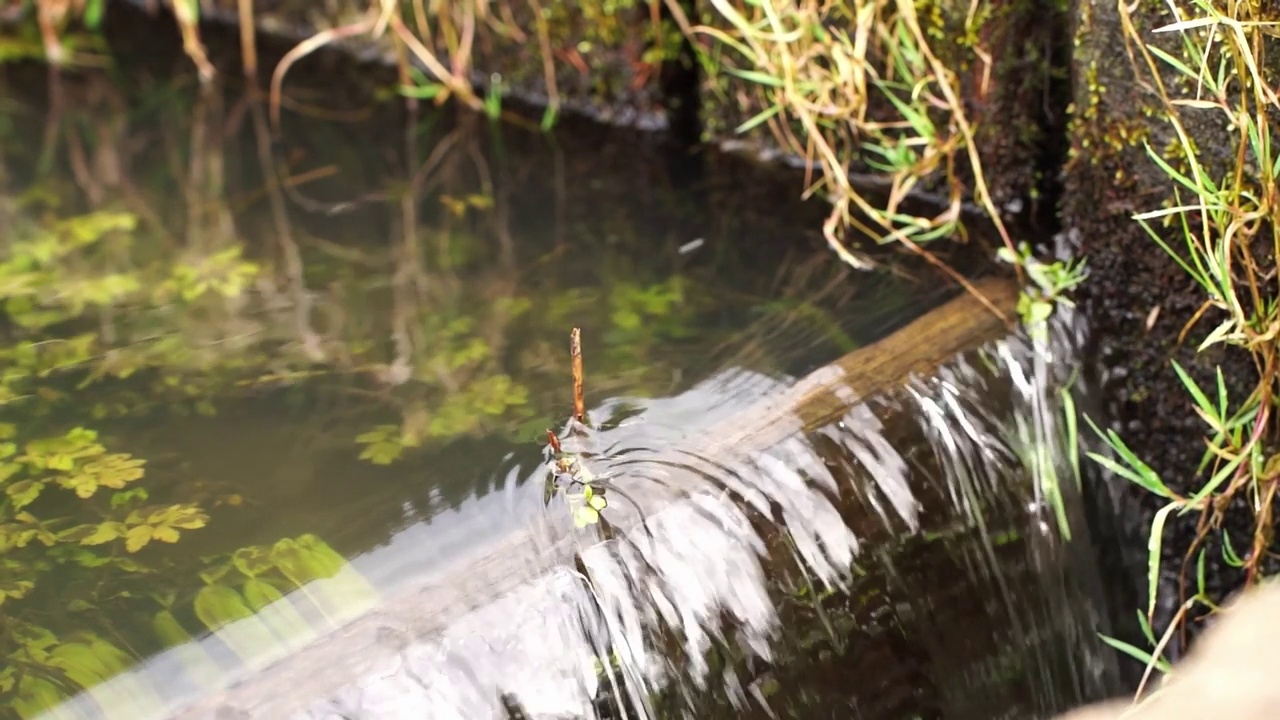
[1051, 284]
[567, 472]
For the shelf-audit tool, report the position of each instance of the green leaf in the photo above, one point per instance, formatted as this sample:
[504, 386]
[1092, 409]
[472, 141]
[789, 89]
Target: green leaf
[35, 696]
[259, 594]
[382, 453]
[282, 617]
[1145, 625]
[60, 462]
[138, 537]
[165, 533]
[93, 13]
[1136, 653]
[1229, 555]
[186, 517]
[8, 470]
[549, 117]
[1039, 312]
[167, 628]
[124, 497]
[80, 663]
[15, 589]
[1153, 555]
[1202, 401]
[756, 77]
[219, 605]
[24, 493]
[94, 534]
[1200, 568]
[1137, 471]
[758, 119]
[585, 515]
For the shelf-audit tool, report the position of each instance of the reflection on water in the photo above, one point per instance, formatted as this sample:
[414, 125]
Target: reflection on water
[272, 419]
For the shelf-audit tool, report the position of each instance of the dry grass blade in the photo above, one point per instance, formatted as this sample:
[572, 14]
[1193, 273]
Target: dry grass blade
[301, 50]
[248, 39]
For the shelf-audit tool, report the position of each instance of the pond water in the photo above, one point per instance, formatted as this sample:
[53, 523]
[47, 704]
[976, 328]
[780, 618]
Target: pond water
[258, 386]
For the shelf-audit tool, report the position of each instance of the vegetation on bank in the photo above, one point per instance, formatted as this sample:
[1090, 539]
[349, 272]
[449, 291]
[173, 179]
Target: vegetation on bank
[1208, 67]
[887, 85]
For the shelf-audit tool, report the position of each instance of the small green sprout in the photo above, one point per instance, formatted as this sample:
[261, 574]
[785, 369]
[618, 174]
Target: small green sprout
[588, 512]
[567, 471]
[1051, 283]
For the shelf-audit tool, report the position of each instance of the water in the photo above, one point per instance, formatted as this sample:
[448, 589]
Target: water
[337, 352]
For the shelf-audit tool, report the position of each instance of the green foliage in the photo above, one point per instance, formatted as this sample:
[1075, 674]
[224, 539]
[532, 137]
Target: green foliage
[587, 506]
[568, 475]
[1050, 284]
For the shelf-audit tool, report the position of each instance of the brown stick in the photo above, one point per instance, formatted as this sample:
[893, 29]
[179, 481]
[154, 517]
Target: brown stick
[575, 354]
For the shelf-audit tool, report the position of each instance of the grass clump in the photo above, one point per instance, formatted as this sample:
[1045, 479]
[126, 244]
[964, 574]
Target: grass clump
[841, 81]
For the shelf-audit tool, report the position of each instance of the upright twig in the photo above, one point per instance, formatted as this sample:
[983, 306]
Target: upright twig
[575, 354]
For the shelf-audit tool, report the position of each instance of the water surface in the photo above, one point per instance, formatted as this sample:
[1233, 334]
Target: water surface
[258, 384]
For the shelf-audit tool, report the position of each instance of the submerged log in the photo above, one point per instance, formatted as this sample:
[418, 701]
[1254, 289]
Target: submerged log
[491, 571]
